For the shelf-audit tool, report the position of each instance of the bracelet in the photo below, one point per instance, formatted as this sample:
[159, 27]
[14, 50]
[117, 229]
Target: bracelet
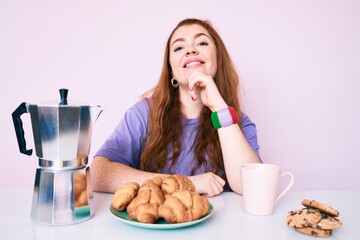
[224, 117]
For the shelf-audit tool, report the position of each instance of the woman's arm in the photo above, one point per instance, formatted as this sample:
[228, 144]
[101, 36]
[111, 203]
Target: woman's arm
[108, 176]
[234, 145]
[236, 152]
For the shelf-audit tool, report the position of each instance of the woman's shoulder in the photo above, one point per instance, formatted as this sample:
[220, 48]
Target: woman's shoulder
[136, 117]
[139, 110]
[142, 105]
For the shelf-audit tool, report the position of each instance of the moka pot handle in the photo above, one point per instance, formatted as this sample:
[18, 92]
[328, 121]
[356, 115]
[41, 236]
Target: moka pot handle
[21, 109]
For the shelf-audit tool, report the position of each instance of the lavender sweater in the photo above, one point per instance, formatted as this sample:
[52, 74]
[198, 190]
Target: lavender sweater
[126, 143]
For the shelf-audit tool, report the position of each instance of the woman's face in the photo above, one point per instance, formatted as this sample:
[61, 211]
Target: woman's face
[192, 50]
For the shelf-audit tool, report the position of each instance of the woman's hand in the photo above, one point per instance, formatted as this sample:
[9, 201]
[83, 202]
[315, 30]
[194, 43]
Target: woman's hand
[204, 86]
[208, 184]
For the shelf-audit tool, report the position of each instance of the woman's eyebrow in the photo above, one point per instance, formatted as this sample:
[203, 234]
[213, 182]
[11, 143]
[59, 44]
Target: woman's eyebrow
[195, 36]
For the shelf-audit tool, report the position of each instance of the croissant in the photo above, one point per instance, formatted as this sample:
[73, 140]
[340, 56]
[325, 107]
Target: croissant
[144, 207]
[146, 213]
[124, 195]
[184, 206]
[176, 182]
[172, 198]
[156, 180]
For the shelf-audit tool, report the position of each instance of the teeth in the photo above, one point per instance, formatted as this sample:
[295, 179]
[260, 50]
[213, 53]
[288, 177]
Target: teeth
[192, 63]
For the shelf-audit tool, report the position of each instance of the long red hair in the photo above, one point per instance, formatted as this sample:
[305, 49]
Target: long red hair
[165, 127]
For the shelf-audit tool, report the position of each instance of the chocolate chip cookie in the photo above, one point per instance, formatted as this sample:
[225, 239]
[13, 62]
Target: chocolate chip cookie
[321, 206]
[328, 223]
[314, 232]
[317, 219]
[303, 218]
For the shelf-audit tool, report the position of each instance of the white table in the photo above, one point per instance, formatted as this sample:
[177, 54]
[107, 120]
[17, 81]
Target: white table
[229, 220]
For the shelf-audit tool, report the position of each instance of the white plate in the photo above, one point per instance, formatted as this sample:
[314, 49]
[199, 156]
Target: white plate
[160, 224]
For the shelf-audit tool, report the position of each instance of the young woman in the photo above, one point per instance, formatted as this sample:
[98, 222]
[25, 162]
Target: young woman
[190, 123]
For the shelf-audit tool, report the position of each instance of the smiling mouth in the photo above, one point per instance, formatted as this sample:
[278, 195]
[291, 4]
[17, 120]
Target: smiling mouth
[190, 64]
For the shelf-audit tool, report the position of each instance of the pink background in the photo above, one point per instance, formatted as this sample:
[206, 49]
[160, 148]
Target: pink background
[298, 62]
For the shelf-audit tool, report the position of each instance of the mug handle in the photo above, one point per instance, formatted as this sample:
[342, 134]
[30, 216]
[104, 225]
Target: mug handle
[290, 184]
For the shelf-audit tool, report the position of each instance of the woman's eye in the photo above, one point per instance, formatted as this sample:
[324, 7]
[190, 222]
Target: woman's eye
[177, 49]
[203, 43]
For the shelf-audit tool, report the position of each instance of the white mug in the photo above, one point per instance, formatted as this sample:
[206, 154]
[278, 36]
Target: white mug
[260, 183]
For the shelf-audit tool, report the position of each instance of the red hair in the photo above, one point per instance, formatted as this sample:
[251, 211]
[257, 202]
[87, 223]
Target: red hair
[165, 127]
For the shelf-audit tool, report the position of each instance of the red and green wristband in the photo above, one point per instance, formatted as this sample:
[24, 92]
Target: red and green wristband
[224, 117]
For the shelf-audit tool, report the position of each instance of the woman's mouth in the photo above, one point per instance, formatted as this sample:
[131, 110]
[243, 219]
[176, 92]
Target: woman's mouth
[192, 63]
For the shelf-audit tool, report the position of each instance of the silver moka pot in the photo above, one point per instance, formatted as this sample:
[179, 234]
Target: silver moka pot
[62, 136]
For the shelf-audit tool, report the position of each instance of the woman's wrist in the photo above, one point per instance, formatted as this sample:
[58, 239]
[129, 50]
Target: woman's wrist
[219, 106]
[224, 117]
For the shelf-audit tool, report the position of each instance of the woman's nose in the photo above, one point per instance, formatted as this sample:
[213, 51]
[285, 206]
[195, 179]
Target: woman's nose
[191, 51]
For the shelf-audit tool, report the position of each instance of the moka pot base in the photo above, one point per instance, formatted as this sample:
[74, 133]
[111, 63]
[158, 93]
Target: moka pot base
[62, 197]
